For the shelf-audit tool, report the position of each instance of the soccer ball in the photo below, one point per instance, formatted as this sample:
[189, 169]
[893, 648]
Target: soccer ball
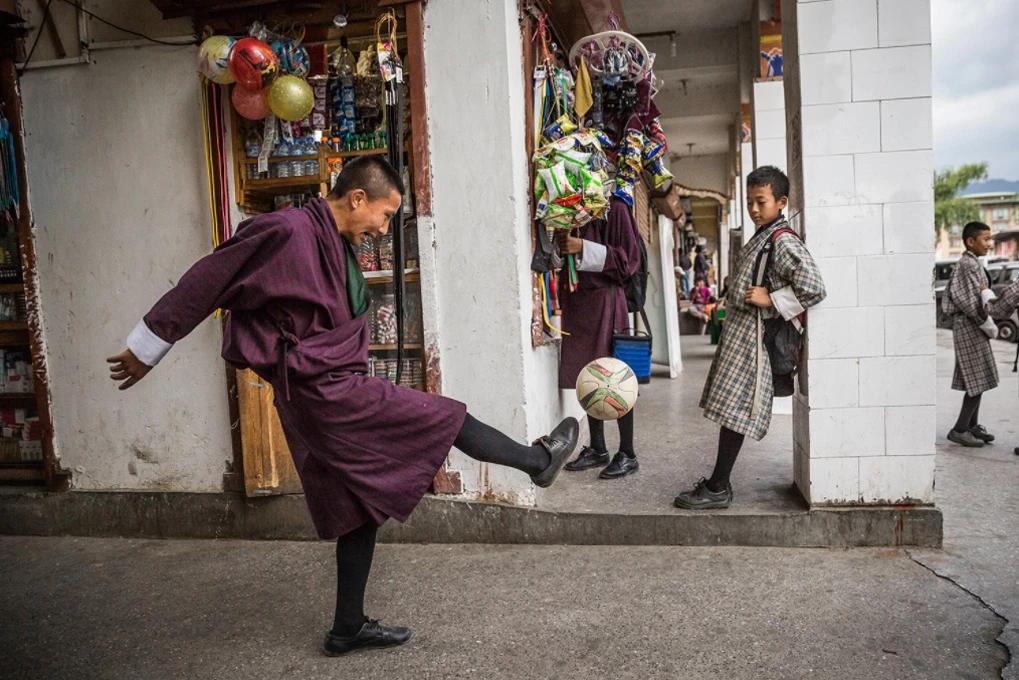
[607, 388]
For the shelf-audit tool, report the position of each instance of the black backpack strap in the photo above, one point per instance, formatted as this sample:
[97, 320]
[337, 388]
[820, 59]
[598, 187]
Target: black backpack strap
[763, 263]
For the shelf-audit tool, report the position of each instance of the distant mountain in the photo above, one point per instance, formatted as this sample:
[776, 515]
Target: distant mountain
[991, 186]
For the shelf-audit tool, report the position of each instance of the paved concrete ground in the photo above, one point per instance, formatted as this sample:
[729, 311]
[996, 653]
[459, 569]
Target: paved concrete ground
[116, 608]
[978, 490]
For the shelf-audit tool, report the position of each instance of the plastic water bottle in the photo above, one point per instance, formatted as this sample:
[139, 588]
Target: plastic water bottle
[311, 151]
[253, 144]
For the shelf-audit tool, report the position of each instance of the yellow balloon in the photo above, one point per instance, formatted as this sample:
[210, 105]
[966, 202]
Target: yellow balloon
[290, 98]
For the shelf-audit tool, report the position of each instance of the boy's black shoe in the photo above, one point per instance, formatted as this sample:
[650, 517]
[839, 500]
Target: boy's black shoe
[966, 438]
[588, 459]
[371, 636]
[981, 433]
[703, 498]
[620, 466]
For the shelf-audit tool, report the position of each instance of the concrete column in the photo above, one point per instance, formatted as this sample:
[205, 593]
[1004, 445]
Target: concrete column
[769, 124]
[476, 266]
[858, 88]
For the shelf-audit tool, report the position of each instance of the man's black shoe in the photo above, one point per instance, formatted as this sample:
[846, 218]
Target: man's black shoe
[588, 459]
[559, 444]
[620, 466]
[371, 636]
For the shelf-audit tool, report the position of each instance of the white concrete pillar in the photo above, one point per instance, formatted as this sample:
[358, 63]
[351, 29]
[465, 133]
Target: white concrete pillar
[747, 165]
[769, 124]
[858, 88]
[476, 277]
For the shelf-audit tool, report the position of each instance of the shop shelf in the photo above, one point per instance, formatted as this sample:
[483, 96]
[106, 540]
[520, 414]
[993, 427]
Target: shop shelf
[392, 348]
[29, 471]
[12, 288]
[18, 400]
[386, 276]
[282, 182]
[13, 325]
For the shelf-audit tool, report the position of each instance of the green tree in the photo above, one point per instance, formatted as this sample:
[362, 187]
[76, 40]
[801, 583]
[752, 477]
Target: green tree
[949, 209]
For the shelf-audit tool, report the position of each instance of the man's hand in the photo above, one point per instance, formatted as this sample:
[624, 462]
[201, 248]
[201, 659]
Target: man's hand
[569, 245]
[127, 367]
[758, 296]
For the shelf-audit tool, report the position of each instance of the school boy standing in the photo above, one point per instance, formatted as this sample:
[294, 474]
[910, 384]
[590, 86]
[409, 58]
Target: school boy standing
[739, 391]
[972, 331]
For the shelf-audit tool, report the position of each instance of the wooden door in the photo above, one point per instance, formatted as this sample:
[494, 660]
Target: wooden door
[268, 468]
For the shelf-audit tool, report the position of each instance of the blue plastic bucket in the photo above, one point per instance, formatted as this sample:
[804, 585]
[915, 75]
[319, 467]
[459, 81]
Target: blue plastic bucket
[635, 352]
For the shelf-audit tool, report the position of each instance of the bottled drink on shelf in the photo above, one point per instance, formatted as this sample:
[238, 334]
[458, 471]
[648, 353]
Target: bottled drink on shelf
[253, 144]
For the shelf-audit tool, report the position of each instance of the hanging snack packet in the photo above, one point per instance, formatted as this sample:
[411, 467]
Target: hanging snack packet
[556, 181]
[659, 172]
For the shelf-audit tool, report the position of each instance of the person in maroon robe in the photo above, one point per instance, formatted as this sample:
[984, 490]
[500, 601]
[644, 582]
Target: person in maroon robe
[365, 449]
[608, 256]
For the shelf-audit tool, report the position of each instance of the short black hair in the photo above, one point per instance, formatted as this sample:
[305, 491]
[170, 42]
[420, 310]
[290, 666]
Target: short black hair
[973, 229]
[700, 249]
[373, 174]
[770, 176]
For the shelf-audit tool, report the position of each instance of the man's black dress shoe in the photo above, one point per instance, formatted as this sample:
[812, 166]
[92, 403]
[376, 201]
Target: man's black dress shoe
[371, 636]
[560, 445]
[588, 459]
[620, 466]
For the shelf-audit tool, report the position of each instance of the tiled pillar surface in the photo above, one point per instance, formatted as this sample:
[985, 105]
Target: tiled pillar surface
[858, 96]
[769, 135]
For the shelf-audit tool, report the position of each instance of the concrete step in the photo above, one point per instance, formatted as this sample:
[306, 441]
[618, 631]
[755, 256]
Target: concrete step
[223, 515]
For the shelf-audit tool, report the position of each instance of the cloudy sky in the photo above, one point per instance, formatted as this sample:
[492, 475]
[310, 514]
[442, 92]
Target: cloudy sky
[976, 84]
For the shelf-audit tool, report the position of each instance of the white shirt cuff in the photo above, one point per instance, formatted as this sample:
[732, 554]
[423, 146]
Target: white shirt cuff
[786, 304]
[990, 328]
[987, 295]
[592, 259]
[146, 345]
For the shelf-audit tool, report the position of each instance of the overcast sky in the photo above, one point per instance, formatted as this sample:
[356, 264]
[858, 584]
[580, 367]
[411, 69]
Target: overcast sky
[976, 84]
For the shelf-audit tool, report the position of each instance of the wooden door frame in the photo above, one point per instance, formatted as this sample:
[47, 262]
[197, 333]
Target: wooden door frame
[57, 478]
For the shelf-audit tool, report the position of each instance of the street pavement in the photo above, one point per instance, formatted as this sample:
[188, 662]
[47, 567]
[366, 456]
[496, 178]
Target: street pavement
[126, 608]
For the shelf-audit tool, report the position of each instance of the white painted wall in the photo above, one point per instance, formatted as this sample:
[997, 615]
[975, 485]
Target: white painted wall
[118, 191]
[703, 172]
[863, 196]
[482, 243]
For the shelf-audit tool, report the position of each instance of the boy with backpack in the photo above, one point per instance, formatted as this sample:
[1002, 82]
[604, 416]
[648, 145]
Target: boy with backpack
[609, 258]
[972, 330]
[774, 281]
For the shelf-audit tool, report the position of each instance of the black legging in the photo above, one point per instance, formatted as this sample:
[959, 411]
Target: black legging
[354, 553]
[625, 434]
[487, 444]
[729, 445]
[969, 414]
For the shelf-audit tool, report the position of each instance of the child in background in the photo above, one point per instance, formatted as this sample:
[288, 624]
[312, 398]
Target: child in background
[1003, 308]
[700, 298]
[972, 331]
[739, 391]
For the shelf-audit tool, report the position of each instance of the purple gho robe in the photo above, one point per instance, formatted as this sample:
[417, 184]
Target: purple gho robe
[597, 309]
[365, 449]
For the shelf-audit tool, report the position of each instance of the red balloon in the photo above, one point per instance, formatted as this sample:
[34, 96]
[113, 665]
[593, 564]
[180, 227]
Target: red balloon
[253, 64]
[251, 104]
